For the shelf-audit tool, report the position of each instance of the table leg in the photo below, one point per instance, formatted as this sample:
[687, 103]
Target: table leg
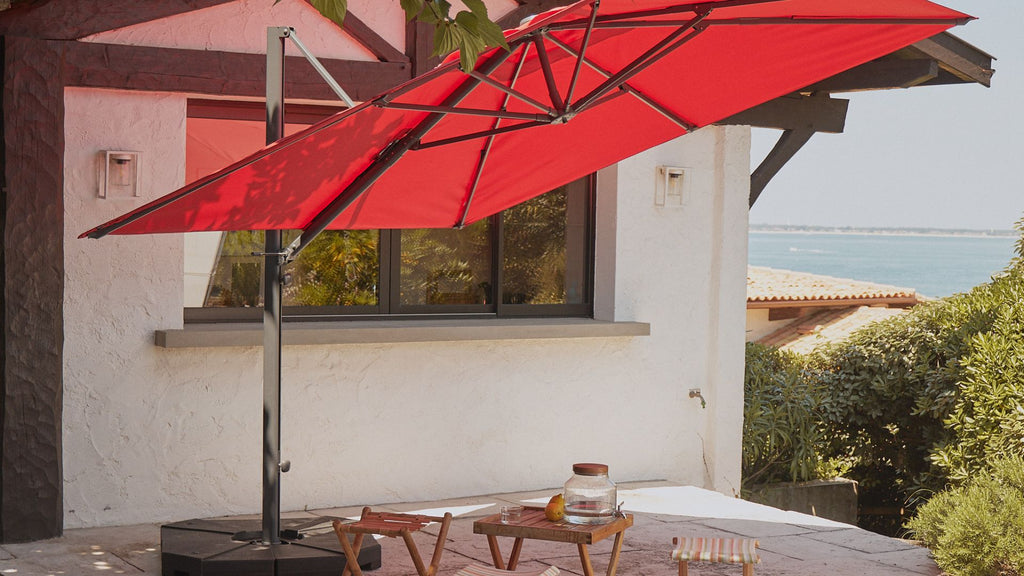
[614, 561]
[513, 560]
[588, 570]
[492, 543]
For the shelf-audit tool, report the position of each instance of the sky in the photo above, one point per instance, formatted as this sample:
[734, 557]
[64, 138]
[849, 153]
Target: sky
[929, 157]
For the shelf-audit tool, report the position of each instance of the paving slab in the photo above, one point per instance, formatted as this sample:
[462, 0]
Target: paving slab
[753, 528]
[791, 544]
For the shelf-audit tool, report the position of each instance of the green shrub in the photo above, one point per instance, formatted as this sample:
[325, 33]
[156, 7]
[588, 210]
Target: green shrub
[781, 422]
[978, 528]
[987, 416]
[929, 397]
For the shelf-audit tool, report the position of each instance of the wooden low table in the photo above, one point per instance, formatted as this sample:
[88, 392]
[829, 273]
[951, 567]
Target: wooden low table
[535, 526]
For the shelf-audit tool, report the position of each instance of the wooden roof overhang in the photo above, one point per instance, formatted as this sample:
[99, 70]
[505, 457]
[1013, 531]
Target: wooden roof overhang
[939, 60]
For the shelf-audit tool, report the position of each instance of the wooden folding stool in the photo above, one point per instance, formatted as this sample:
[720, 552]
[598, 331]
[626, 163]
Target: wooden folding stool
[390, 524]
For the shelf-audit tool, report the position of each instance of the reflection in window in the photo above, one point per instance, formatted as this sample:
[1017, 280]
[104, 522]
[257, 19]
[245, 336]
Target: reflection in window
[339, 268]
[545, 248]
[446, 266]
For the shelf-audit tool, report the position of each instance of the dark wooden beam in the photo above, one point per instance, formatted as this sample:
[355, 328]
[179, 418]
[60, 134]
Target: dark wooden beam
[879, 75]
[31, 381]
[796, 112]
[419, 47]
[380, 47]
[788, 145]
[958, 58]
[526, 8]
[52, 19]
[209, 72]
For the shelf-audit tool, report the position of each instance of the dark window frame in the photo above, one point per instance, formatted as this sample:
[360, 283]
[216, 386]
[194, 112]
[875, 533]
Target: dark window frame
[389, 306]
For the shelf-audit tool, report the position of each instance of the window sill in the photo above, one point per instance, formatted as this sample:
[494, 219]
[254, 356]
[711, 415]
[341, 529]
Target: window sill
[393, 331]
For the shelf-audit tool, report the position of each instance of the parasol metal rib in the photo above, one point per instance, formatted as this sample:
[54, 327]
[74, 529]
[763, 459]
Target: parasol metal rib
[674, 40]
[549, 76]
[480, 134]
[629, 17]
[514, 93]
[685, 124]
[583, 51]
[485, 152]
[753, 21]
[467, 111]
[394, 152]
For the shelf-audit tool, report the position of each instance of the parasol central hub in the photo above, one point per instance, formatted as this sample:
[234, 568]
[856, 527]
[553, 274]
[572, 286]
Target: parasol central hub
[563, 118]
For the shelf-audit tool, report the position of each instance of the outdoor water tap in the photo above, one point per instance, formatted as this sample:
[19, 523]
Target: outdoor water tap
[695, 393]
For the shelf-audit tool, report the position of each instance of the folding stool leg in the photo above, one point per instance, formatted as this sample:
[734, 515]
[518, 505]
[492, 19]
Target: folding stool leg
[683, 568]
[748, 570]
[442, 537]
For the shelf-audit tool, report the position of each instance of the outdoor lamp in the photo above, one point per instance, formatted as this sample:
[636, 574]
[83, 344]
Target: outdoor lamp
[120, 174]
[668, 190]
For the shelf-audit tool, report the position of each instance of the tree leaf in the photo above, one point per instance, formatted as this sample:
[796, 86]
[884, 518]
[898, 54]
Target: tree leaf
[333, 10]
[412, 8]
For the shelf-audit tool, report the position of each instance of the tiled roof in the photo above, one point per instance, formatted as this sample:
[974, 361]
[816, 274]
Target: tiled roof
[767, 286]
[830, 325]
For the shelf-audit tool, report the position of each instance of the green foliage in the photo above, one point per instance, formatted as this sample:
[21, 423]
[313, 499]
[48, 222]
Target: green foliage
[932, 396]
[470, 31]
[978, 528]
[339, 268]
[782, 436]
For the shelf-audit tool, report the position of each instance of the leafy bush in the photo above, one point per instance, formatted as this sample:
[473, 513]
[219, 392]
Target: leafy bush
[929, 397]
[781, 420]
[978, 528]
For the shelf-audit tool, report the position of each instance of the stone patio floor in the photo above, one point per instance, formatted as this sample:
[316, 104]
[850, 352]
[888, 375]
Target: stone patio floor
[791, 543]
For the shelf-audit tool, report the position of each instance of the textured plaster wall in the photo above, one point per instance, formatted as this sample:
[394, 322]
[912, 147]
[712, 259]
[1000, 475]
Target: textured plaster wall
[242, 27]
[154, 435]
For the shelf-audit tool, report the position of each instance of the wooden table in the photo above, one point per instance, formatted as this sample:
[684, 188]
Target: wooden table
[535, 526]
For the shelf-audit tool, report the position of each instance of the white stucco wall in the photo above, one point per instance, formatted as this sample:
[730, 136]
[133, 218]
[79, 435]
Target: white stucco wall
[153, 434]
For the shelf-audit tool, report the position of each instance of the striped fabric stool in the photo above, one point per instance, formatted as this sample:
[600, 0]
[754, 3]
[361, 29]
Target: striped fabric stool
[726, 550]
[479, 570]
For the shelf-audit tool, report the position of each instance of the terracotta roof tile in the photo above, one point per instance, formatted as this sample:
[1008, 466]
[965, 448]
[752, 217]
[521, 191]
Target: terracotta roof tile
[831, 325]
[770, 285]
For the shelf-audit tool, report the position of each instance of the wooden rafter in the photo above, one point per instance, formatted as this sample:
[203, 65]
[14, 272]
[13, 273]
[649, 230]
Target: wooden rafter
[372, 41]
[96, 65]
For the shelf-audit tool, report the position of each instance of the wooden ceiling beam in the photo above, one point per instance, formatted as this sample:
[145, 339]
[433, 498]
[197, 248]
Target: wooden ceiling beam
[959, 58]
[879, 75]
[796, 112]
[117, 66]
[372, 41]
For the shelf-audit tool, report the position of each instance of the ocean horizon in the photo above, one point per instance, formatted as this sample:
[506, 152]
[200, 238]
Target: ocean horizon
[934, 263]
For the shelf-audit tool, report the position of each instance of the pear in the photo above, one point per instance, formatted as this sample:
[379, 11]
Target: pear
[555, 510]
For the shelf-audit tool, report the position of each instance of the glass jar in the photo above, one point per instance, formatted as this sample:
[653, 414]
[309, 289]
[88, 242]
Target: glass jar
[589, 495]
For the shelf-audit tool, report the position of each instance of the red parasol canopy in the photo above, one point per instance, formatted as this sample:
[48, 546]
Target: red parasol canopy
[582, 87]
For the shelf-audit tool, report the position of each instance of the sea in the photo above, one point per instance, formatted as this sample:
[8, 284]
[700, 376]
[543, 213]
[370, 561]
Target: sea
[936, 265]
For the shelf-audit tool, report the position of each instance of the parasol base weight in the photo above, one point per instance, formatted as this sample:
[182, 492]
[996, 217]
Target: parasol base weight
[233, 547]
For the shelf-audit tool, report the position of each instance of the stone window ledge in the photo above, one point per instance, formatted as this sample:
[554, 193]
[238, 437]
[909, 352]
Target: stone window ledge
[394, 331]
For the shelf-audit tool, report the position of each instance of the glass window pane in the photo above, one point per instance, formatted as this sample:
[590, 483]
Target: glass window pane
[339, 268]
[440, 266]
[237, 279]
[545, 248]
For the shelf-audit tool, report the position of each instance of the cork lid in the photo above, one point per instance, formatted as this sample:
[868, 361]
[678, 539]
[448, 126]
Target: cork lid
[590, 469]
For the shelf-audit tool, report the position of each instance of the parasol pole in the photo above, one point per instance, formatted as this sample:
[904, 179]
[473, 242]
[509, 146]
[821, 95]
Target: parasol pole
[272, 281]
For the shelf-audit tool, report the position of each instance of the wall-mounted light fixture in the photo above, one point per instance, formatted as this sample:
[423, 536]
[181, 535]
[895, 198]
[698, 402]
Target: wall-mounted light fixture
[668, 190]
[120, 174]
